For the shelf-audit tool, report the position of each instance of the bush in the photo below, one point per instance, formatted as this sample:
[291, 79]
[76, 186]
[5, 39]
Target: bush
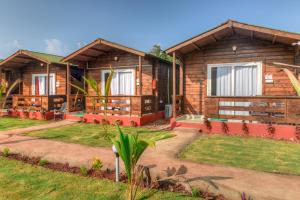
[196, 192]
[84, 171]
[133, 124]
[43, 162]
[118, 122]
[6, 152]
[97, 164]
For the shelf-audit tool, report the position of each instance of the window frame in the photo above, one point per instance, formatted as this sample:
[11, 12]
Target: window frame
[33, 76]
[233, 65]
[117, 71]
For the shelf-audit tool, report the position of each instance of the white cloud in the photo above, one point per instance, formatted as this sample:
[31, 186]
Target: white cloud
[9, 48]
[55, 46]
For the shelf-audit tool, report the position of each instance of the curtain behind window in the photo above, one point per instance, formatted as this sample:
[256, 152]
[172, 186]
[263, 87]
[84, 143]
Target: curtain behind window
[125, 83]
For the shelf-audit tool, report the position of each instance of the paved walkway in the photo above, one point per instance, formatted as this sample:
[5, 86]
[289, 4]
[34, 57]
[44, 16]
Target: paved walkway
[161, 159]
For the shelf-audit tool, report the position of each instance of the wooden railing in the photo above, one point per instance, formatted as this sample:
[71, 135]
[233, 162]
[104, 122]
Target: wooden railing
[8, 102]
[264, 109]
[77, 102]
[38, 103]
[121, 105]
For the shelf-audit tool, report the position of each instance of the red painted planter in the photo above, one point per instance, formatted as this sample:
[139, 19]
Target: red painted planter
[281, 132]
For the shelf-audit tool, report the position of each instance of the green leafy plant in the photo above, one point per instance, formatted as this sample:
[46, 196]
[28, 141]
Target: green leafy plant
[3, 89]
[84, 170]
[102, 99]
[196, 192]
[97, 164]
[43, 162]
[6, 152]
[293, 80]
[130, 148]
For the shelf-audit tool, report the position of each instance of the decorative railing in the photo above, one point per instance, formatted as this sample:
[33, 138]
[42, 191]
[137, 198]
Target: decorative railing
[38, 103]
[266, 109]
[121, 105]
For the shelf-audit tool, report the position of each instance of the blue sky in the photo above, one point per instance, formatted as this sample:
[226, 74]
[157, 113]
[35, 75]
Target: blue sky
[62, 26]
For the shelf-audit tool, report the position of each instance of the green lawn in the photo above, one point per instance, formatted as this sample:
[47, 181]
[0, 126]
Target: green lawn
[93, 134]
[23, 181]
[251, 153]
[7, 123]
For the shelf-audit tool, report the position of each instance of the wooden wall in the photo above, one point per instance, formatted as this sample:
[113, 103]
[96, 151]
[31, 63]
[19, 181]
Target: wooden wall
[36, 68]
[195, 66]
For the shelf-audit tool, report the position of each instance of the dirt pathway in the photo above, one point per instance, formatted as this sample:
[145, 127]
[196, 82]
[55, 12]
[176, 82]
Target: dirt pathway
[162, 162]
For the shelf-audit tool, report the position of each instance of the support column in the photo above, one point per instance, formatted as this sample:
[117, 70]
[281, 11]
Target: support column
[84, 75]
[174, 85]
[68, 88]
[181, 78]
[140, 76]
[48, 80]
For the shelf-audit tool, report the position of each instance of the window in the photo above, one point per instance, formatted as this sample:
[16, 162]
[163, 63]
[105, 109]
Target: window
[122, 83]
[234, 79]
[38, 84]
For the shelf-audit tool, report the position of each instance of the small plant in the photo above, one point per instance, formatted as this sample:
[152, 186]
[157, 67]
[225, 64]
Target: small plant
[118, 122]
[133, 124]
[245, 128]
[96, 121]
[104, 122]
[298, 132]
[225, 127]
[6, 152]
[207, 124]
[84, 171]
[43, 162]
[196, 192]
[85, 120]
[97, 164]
[271, 130]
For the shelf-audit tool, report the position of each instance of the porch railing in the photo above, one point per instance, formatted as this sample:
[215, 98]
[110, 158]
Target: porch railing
[77, 102]
[121, 105]
[8, 102]
[265, 109]
[38, 103]
[179, 104]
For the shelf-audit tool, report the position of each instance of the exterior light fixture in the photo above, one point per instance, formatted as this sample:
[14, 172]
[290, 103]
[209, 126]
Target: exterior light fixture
[234, 48]
[296, 43]
[42, 64]
[116, 58]
[117, 162]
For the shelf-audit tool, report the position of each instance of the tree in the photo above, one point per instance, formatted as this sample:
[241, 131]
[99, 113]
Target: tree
[157, 51]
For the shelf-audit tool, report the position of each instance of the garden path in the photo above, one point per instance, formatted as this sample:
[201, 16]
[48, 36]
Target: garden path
[162, 161]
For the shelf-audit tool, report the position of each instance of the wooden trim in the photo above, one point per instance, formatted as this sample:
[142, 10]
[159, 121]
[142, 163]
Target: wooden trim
[68, 88]
[121, 47]
[174, 86]
[140, 76]
[274, 39]
[48, 80]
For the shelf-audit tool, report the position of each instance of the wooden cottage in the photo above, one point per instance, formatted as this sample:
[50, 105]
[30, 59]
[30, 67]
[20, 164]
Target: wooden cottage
[42, 86]
[235, 71]
[140, 87]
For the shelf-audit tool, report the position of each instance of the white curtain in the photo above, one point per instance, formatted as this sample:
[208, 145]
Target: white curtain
[224, 81]
[125, 83]
[114, 90]
[246, 81]
[42, 85]
[52, 85]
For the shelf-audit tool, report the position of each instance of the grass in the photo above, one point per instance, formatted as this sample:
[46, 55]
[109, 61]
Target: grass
[7, 123]
[23, 181]
[250, 153]
[93, 134]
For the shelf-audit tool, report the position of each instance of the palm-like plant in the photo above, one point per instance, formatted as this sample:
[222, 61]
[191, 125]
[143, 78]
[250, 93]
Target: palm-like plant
[102, 98]
[130, 148]
[293, 80]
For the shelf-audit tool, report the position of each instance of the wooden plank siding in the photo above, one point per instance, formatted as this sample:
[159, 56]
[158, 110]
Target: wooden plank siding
[36, 68]
[150, 66]
[248, 50]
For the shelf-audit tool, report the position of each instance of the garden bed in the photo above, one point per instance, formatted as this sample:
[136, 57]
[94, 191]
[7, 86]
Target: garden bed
[178, 190]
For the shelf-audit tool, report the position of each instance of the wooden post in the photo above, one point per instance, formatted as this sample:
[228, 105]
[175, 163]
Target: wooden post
[68, 88]
[84, 75]
[181, 79]
[174, 85]
[48, 80]
[140, 76]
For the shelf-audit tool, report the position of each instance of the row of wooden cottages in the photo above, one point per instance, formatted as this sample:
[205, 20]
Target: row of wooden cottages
[233, 71]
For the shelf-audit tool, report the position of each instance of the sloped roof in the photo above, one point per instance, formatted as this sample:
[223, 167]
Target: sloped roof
[231, 27]
[23, 57]
[96, 48]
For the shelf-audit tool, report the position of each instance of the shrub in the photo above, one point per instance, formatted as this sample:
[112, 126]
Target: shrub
[133, 124]
[6, 152]
[84, 171]
[196, 192]
[97, 164]
[104, 122]
[225, 127]
[207, 124]
[118, 122]
[271, 130]
[43, 162]
[96, 121]
[245, 128]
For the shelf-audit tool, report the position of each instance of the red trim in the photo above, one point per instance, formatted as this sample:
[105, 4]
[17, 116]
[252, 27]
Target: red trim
[32, 115]
[282, 132]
